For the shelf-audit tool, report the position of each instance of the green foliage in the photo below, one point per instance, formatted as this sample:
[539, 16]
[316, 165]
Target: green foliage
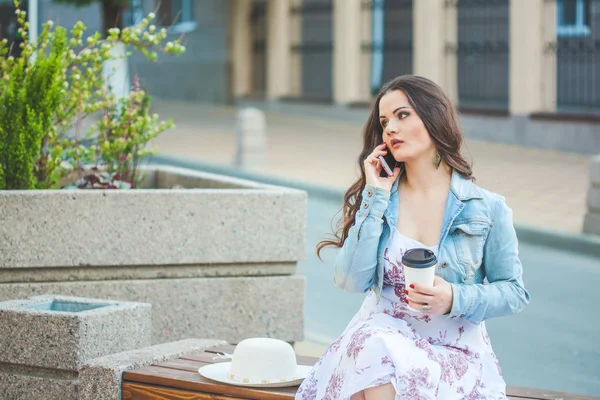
[119, 142]
[29, 94]
[58, 81]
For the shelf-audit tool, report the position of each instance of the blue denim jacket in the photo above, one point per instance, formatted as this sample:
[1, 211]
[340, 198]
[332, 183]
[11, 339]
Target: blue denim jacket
[477, 241]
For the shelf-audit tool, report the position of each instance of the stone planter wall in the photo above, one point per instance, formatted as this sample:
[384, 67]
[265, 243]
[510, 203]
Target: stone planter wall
[216, 259]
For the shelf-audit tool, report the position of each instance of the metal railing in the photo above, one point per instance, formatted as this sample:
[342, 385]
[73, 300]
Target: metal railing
[482, 52]
[316, 48]
[577, 48]
[258, 28]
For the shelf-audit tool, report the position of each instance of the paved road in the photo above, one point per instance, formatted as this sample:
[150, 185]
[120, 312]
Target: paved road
[554, 344]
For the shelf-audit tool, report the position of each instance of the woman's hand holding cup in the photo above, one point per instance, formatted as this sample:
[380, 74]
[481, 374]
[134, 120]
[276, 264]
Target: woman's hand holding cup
[438, 297]
[426, 291]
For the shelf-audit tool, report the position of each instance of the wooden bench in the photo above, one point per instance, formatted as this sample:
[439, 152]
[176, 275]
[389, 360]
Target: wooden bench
[179, 379]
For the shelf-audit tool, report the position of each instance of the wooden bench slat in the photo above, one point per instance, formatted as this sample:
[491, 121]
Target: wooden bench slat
[207, 358]
[138, 391]
[224, 348]
[304, 360]
[519, 392]
[181, 364]
[182, 374]
[188, 380]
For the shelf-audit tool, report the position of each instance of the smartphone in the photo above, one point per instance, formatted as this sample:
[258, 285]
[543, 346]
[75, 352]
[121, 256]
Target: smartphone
[388, 163]
[385, 166]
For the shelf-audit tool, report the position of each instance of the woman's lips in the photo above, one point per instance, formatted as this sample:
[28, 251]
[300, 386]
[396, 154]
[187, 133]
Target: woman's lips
[396, 142]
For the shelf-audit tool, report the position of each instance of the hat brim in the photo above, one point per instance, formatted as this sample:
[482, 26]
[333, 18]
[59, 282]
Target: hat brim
[220, 372]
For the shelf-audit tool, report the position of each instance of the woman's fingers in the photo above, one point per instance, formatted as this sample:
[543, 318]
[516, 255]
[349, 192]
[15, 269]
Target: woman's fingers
[379, 151]
[429, 290]
[395, 174]
[419, 297]
[373, 167]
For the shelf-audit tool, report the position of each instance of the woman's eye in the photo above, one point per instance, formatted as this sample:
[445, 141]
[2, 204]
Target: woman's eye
[384, 123]
[403, 115]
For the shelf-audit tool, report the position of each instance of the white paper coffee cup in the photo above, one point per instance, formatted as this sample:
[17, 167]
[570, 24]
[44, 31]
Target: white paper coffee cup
[419, 268]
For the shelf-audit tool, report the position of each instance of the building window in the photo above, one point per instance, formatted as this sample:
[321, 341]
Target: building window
[177, 15]
[573, 18]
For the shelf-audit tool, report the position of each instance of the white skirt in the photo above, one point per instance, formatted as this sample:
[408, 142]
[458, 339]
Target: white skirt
[422, 356]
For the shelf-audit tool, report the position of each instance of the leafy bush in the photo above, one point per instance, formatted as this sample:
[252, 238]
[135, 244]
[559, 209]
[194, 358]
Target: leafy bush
[118, 143]
[58, 81]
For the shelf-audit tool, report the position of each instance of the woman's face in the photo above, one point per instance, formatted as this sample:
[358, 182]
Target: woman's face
[403, 131]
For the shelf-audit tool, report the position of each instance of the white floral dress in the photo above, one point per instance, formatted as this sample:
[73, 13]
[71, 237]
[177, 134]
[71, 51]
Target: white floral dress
[422, 356]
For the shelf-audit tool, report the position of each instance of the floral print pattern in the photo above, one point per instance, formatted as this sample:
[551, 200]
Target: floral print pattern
[334, 386]
[414, 382]
[424, 357]
[357, 341]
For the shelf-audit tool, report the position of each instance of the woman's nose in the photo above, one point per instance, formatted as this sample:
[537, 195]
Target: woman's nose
[392, 127]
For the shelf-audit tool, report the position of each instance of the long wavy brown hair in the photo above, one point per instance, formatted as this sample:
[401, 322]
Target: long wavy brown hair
[441, 121]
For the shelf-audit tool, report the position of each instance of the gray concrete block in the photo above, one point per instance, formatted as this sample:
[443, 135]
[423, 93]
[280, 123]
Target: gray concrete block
[17, 387]
[253, 223]
[101, 378]
[595, 171]
[225, 308]
[167, 176]
[126, 272]
[61, 332]
[565, 136]
[591, 223]
[593, 199]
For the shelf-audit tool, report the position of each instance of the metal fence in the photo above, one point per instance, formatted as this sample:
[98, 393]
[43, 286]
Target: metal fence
[577, 49]
[482, 52]
[316, 48]
[391, 45]
[258, 27]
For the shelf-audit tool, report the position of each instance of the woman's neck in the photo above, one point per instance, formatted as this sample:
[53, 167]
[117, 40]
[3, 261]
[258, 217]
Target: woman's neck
[423, 176]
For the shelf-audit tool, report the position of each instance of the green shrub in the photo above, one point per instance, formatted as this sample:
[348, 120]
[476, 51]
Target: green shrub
[58, 80]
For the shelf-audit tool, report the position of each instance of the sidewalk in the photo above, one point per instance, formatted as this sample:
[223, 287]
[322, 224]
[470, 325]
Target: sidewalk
[544, 188]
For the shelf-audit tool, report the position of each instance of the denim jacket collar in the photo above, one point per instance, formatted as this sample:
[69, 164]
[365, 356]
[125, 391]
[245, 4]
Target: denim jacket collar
[461, 190]
[464, 189]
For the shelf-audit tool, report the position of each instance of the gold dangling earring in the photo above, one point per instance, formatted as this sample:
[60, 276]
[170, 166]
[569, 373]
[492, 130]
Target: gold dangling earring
[437, 160]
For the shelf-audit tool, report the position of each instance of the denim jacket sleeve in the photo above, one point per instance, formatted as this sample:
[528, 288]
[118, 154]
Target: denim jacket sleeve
[356, 262]
[505, 293]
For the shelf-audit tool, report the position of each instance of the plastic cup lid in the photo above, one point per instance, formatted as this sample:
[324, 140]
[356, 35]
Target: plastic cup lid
[419, 258]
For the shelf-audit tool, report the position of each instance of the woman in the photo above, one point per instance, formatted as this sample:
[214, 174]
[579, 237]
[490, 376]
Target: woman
[442, 350]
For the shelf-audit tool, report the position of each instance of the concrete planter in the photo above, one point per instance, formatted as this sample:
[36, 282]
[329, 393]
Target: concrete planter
[216, 259]
[46, 339]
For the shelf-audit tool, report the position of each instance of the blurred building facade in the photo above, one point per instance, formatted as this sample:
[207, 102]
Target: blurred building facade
[535, 56]
[520, 71]
[524, 72]
[200, 74]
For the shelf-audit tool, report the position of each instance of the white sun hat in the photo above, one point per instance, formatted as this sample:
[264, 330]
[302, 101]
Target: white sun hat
[259, 362]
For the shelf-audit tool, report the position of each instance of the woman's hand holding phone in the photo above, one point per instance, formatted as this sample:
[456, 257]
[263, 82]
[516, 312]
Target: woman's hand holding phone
[373, 169]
